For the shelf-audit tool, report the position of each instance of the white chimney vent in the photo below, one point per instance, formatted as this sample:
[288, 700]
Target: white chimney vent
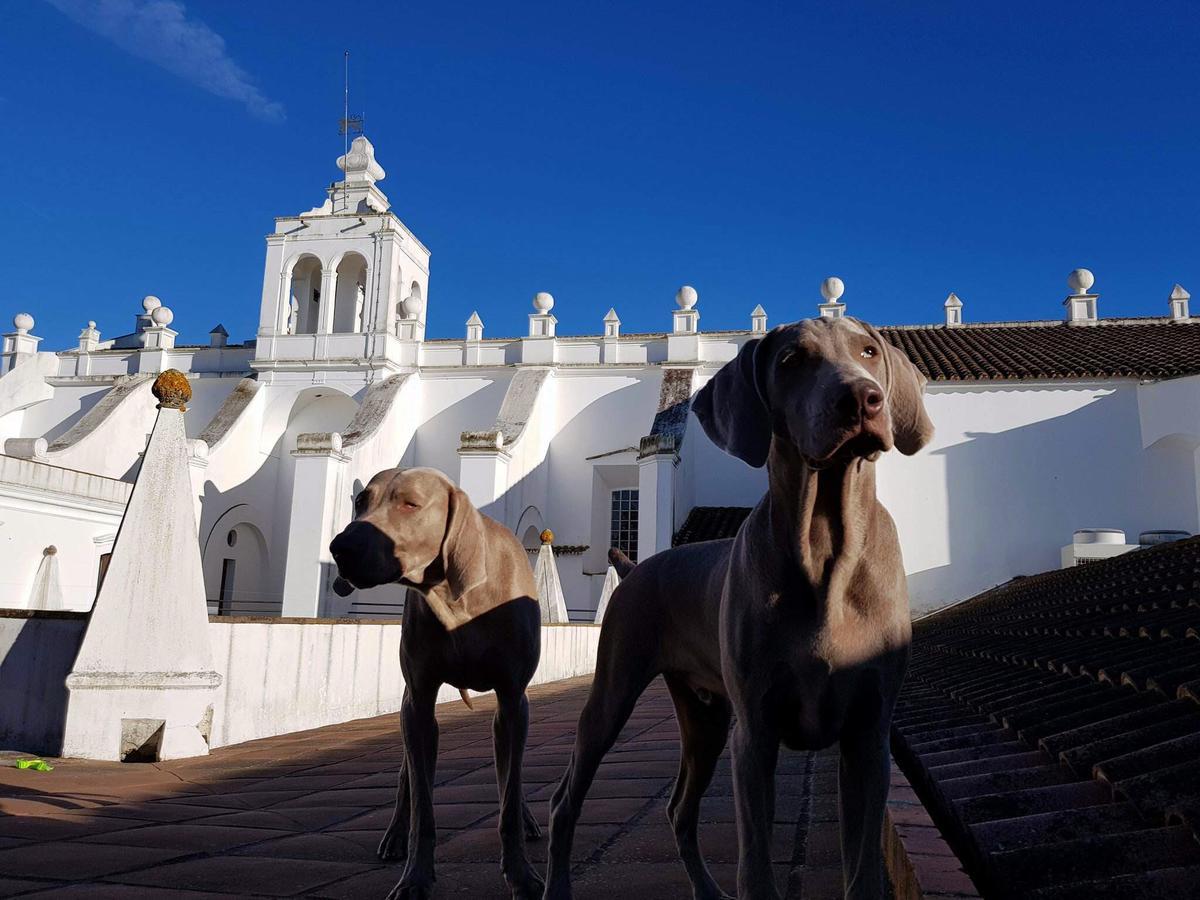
[953, 308]
[1179, 304]
[758, 320]
[1081, 303]
[1090, 545]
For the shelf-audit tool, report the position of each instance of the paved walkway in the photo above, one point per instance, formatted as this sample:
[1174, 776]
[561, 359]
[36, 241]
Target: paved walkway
[300, 815]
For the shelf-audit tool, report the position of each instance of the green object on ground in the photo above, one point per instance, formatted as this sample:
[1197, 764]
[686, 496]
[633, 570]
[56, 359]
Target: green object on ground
[35, 764]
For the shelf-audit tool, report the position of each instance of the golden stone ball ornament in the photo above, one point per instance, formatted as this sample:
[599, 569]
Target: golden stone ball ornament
[547, 536]
[172, 390]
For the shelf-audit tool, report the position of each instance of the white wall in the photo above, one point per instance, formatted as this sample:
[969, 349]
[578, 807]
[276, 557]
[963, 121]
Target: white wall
[288, 675]
[43, 505]
[1014, 470]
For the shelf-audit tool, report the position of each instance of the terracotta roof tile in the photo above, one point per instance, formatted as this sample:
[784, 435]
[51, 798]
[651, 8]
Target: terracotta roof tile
[710, 523]
[1050, 725]
[1131, 348]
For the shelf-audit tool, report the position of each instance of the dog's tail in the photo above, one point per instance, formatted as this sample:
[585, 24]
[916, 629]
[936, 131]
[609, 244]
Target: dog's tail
[462, 692]
[619, 561]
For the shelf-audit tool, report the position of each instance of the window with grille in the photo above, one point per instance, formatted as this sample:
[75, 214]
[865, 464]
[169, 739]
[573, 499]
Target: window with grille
[624, 532]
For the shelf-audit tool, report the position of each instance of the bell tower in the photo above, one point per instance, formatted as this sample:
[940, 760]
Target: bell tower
[344, 281]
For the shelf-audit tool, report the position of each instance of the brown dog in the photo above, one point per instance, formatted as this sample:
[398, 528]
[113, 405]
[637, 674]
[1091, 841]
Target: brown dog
[471, 621]
[798, 626]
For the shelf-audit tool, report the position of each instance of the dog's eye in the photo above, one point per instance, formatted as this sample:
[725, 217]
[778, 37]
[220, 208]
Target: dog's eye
[868, 353]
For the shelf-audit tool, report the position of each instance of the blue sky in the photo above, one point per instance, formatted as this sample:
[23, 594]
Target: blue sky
[607, 153]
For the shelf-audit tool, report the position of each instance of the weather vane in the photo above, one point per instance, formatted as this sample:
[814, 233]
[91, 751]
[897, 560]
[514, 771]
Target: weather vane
[348, 124]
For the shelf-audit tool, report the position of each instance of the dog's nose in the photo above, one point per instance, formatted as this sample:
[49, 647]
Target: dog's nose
[340, 545]
[870, 401]
[862, 400]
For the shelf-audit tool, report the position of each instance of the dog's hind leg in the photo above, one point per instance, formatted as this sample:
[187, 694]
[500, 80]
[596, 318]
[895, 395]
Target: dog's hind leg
[510, 728]
[395, 840]
[703, 731]
[616, 687]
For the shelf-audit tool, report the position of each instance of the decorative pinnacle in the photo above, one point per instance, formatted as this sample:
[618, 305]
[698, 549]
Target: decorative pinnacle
[1080, 281]
[547, 536]
[172, 390]
[832, 289]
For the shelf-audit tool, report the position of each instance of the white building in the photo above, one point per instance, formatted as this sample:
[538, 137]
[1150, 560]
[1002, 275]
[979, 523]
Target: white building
[1042, 428]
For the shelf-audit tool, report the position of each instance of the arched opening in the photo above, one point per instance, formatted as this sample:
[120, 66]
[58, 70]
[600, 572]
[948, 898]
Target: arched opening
[349, 308]
[531, 540]
[304, 301]
[235, 570]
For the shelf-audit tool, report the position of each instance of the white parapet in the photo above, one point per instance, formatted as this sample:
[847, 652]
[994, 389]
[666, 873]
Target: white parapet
[611, 580]
[143, 683]
[549, 587]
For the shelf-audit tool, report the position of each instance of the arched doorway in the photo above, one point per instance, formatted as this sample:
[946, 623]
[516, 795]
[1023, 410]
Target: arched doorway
[235, 569]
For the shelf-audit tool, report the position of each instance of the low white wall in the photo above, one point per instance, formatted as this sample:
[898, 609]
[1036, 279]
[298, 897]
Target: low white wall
[286, 675]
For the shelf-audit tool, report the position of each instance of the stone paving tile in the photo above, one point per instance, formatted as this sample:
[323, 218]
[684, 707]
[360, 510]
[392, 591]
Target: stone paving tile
[301, 815]
[233, 874]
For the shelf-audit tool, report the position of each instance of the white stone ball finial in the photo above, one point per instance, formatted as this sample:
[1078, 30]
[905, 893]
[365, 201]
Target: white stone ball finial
[23, 322]
[1080, 281]
[150, 303]
[832, 289]
[686, 297]
[412, 306]
[91, 323]
[162, 316]
[543, 302]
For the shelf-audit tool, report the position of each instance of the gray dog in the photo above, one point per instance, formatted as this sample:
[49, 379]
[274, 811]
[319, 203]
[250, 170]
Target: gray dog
[798, 627]
[471, 621]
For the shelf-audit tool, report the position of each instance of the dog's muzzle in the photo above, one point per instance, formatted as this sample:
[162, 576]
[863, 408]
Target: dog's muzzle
[365, 556]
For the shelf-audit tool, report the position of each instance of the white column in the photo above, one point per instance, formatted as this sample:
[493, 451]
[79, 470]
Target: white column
[483, 470]
[320, 464]
[656, 498]
[328, 300]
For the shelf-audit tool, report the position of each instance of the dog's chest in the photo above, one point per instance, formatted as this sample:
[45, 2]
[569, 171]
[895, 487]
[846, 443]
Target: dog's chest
[825, 668]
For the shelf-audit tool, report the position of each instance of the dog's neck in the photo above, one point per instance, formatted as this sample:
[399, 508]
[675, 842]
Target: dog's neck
[823, 515]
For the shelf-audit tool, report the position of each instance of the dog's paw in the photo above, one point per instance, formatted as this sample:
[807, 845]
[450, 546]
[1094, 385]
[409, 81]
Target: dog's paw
[414, 888]
[533, 831]
[394, 845]
[528, 885]
[558, 889]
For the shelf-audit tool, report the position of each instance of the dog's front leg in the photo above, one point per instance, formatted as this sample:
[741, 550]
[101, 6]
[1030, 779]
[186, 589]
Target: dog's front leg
[420, 729]
[394, 844]
[510, 728]
[863, 777]
[755, 751]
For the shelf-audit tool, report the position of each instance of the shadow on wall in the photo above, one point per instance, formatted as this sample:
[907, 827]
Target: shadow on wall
[37, 652]
[535, 492]
[1014, 497]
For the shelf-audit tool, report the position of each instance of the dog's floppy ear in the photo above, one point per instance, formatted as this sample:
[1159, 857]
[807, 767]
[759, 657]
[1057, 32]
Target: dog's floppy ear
[731, 407]
[464, 554]
[911, 427]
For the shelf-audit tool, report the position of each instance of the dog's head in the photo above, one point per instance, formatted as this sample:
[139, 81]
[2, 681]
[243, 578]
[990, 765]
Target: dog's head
[834, 389]
[412, 526]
